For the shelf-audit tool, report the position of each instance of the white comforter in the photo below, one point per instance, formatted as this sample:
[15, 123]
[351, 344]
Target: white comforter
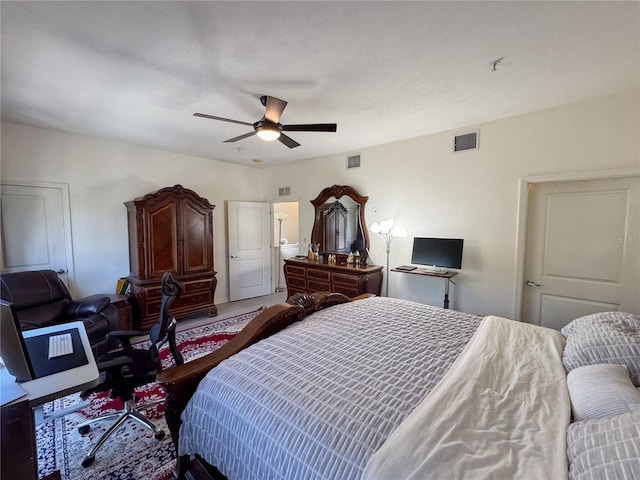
[501, 412]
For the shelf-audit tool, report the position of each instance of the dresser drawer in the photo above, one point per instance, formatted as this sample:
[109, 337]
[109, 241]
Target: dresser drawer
[293, 290]
[188, 287]
[184, 301]
[318, 274]
[315, 286]
[345, 279]
[297, 282]
[293, 270]
[349, 292]
[195, 286]
[153, 292]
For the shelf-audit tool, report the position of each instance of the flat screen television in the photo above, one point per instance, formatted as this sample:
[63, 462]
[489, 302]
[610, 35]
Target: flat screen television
[437, 253]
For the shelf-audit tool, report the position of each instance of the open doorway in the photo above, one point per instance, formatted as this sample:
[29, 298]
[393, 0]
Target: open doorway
[286, 240]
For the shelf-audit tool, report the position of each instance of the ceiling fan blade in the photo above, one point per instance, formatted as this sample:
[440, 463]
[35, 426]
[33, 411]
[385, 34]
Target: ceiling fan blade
[288, 141]
[311, 127]
[204, 115]
[275, 107]
[235, 139]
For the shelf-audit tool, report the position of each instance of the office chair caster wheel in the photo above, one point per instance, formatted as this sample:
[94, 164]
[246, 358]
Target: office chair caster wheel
[159, 435]
[83, 430]
[88, 461]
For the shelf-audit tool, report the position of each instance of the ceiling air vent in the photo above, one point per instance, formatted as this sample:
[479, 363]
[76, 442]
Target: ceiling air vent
[465, 141]
[353, 161]
[284, 191]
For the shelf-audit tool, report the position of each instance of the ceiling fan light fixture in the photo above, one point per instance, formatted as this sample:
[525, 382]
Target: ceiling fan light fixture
[269, 127]
[268, 132]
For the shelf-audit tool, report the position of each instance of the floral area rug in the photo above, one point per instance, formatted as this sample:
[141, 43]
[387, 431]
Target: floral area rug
[132, 453]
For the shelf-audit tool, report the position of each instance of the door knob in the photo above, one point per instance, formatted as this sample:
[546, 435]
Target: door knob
[233, 256]
[531, 283]
[60, 271]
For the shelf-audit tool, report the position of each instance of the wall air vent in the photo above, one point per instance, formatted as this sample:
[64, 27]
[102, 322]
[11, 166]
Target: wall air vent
[284, 191]
[353, 161]
[465, 141]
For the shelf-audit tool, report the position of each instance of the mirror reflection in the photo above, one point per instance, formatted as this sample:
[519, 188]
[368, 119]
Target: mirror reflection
[339, 224]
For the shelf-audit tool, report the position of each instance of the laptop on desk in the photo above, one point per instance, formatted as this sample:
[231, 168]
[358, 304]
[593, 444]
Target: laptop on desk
[406, 268]
[28, 358]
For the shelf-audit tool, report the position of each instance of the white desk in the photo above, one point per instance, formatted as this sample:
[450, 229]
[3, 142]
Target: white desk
[37, 392]
[44, 389]
[447, 276]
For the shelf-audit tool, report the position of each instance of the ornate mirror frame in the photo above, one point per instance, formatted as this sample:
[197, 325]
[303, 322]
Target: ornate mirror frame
[319, 203]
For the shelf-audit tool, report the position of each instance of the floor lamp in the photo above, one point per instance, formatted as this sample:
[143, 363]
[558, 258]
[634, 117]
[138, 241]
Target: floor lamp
[388, 231]
[280, 216]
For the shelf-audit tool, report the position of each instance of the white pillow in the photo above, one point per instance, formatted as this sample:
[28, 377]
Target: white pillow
[601, 390]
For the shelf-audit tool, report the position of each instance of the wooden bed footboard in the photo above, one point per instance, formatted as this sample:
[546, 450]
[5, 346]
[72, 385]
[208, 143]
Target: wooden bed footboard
[181, 382]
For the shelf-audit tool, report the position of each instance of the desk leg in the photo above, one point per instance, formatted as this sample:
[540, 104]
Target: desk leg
[446, 293]
[40, 417]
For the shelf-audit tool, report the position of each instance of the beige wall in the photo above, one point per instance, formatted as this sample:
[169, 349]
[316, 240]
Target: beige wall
[103, 174]
[418, 182]
[473, 195]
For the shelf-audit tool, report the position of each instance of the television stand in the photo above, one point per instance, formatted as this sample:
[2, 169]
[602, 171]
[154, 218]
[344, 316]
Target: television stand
[430, 273]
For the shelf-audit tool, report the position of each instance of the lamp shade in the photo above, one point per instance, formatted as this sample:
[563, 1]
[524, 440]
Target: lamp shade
[399, 231]
[279, 215]
[385, 226]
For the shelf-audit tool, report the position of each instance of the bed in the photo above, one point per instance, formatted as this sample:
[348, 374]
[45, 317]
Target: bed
[379, 388]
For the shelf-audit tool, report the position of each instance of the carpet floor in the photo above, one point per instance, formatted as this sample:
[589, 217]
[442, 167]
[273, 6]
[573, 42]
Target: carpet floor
[132, 453]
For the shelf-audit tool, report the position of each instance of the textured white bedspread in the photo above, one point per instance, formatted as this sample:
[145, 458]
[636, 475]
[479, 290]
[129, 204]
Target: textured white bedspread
[501, 412]
[317, 399]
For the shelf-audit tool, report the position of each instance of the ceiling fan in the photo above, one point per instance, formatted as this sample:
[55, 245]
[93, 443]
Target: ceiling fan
[269, 127]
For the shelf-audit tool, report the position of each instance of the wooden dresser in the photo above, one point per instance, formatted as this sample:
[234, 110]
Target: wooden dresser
[305, 276]
[171, 230]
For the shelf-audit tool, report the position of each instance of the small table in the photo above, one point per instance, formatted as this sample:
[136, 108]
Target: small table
[428, 273]
[125, 311]
[19, 414]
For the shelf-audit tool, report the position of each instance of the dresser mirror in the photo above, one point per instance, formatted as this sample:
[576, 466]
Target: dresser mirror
[339, 226]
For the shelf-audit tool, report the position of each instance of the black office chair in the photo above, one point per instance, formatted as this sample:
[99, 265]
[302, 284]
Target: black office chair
[124, 370]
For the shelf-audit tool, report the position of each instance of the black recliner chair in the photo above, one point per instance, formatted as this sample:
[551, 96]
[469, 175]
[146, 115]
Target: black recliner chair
[124, 370]
[41, 299]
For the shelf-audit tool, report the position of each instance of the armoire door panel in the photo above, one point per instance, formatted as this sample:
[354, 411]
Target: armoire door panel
[196, 250]
[162, 241]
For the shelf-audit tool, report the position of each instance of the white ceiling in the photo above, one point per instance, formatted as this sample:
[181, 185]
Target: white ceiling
[383, 71]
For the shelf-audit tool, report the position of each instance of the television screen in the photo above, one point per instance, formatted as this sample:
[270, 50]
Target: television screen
[437, 252]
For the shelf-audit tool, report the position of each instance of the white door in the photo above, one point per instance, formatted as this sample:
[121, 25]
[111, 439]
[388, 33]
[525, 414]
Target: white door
[583, 250]
[249, 233]
[35, 228]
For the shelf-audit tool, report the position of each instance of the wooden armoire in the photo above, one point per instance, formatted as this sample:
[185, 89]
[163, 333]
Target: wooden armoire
[171, 230]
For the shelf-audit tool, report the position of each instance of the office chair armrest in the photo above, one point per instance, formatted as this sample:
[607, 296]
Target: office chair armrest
[118, 334]
[109, 369]
[124, 337]
[114, 362]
